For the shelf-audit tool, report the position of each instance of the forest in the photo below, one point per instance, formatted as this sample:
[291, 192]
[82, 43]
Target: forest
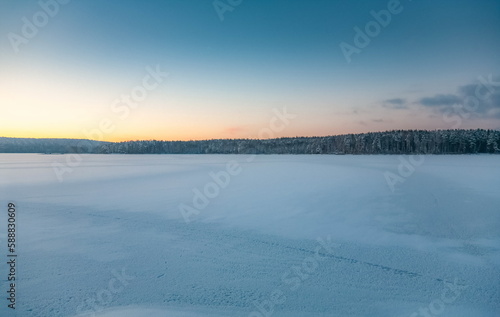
[389, 142]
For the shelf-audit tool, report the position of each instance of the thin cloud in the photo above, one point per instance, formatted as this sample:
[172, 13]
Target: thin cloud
[234, 130]
[441, 100]
[396, 103]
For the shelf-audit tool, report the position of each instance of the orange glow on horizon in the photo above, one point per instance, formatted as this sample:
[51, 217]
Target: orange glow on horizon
[178, 136]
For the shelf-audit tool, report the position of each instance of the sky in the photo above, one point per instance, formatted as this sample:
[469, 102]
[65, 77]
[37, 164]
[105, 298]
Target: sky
[204, 69]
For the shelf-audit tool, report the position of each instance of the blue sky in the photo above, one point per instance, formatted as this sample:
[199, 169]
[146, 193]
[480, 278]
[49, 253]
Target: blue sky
[225, 77]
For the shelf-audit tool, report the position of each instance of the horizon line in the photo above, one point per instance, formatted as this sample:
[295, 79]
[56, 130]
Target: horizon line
[213, 139]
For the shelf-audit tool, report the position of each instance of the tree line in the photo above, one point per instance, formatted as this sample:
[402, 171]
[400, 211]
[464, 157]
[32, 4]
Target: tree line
[389, 142]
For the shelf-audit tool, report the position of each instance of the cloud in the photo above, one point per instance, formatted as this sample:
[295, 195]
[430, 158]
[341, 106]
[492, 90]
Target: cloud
[396, 103]
[378, 120]
[495, 100]
[481, 98]
[495, 115]
[441, 100]
[489, 97]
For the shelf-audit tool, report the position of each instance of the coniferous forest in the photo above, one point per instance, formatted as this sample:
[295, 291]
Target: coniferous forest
[389, 142]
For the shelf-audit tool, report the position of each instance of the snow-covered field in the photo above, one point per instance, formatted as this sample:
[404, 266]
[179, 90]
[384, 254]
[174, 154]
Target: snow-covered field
[229, 235]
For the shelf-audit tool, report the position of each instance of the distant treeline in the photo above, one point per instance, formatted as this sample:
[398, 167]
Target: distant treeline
[390, 142]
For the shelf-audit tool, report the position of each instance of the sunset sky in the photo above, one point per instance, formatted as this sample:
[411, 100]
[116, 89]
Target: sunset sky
[229, 66]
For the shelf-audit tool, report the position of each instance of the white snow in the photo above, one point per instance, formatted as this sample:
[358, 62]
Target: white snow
[293, 235]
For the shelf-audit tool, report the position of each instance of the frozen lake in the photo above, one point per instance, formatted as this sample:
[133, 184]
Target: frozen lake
[236, 235]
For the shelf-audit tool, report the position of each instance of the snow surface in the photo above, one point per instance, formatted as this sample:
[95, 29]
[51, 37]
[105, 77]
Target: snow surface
[296, 235]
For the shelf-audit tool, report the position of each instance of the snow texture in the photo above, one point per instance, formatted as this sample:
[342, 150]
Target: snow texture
[283, 235]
